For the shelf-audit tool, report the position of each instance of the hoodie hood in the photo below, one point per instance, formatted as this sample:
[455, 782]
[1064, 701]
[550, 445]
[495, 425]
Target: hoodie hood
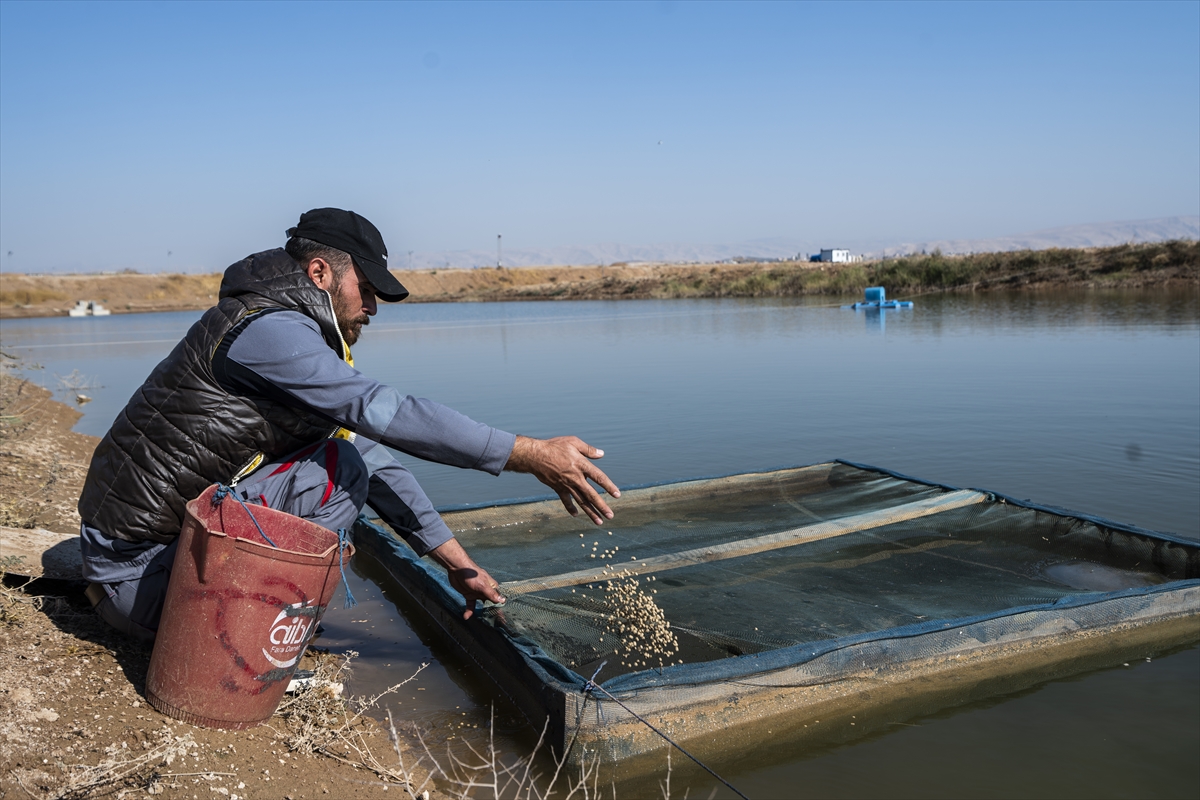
[273, 279]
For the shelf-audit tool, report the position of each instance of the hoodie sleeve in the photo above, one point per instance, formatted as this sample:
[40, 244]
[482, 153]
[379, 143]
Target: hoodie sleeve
[282, 356]
[399, 500]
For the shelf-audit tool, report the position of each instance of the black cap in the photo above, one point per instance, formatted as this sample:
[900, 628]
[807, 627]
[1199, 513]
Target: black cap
[355, 235]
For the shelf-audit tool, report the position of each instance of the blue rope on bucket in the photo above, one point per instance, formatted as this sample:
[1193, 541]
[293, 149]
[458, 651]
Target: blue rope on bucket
[224, 491]
[343, 543]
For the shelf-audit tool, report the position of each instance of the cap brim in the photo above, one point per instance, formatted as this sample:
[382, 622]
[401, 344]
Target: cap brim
[387, 288]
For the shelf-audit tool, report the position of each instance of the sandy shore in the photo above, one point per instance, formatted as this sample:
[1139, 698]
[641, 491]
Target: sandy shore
[1126, 266]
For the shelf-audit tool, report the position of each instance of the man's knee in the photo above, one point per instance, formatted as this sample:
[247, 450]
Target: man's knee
[133, 607]
[130, 597]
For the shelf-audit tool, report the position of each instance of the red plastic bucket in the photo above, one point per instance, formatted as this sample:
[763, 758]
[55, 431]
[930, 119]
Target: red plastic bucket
[239, 611]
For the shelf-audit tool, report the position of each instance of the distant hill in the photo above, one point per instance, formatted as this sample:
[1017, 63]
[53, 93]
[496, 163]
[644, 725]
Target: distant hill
[1102, 234]
[1095, 235]
[1124, 266]
[609, 253]
[772, 248]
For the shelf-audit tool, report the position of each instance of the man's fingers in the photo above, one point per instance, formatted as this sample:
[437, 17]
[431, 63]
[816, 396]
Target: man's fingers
[592, 515]
[587, 509]
[603, 481]
[589, 470]
[491, 591]
[562, 464]
[591, 499]
[568, 503]
[575, 443]
[597, 509]
[475, 590]
[592, 505]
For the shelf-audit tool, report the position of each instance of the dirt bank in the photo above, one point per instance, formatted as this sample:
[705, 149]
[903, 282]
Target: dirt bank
[42, 461]
[73, 716]
[123, 293]
[1125, 266]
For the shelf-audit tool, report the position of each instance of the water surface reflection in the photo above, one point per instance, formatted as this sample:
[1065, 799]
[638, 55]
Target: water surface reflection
[1087, 400]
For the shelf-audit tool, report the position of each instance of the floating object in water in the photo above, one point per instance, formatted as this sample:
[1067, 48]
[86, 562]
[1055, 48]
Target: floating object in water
[876, 297]
[780, 595]
[88, 308]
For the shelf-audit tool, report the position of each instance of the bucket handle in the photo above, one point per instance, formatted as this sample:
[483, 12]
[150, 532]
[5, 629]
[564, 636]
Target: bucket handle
[224, 491]
[343, 535]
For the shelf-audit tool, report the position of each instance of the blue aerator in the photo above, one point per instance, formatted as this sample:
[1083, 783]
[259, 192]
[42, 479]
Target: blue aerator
[876, 297]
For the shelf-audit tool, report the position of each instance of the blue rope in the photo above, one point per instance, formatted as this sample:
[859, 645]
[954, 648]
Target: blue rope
[343, 543]
[224, 491]
[591, 685]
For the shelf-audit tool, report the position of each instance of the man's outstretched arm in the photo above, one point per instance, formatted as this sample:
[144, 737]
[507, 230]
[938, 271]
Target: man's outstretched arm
[282, 356]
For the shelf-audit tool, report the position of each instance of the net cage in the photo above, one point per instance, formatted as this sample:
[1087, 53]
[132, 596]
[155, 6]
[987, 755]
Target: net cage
[753, 606]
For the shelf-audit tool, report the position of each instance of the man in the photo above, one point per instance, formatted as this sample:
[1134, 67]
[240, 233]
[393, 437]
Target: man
[262, 394]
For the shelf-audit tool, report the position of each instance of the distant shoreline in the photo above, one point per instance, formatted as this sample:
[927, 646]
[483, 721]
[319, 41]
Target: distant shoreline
[1160, 264]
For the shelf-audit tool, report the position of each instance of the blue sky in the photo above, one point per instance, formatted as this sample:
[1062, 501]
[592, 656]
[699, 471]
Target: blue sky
[131, 130]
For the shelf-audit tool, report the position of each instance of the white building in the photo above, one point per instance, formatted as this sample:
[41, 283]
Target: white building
[835, 256]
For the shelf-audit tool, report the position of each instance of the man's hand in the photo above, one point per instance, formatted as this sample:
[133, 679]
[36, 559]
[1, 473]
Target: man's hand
[564, 464]
[467, 577]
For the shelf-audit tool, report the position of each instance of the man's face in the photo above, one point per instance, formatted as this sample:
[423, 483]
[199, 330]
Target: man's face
[353, 303]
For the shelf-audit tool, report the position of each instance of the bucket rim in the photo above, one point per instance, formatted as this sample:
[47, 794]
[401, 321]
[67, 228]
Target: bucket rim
[194, 513]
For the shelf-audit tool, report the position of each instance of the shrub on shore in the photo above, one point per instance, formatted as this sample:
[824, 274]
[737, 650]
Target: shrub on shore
[29, 296]
[1130, 264]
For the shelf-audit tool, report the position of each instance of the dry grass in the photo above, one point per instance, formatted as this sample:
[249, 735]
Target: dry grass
[1128, 266]
[120, 770]
[1123, 266]
[34, 295]
[318, 720]
[30, 295]
[462, 775]
[15, 605]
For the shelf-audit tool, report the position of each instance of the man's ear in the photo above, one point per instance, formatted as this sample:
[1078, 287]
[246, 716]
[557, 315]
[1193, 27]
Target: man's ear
[321, 273]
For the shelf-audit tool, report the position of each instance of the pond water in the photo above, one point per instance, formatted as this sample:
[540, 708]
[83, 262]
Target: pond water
[1085, 400]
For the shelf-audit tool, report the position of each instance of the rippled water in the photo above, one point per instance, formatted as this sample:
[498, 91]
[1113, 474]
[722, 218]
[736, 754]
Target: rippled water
[1084, 400]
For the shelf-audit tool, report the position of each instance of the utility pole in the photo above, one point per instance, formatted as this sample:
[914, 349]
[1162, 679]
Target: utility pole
[499, 260]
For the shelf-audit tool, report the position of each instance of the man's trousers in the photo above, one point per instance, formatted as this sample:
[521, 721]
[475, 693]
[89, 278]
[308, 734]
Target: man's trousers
[325, 483]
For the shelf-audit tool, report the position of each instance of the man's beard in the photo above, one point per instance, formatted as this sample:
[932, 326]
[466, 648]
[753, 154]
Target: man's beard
[350, 318]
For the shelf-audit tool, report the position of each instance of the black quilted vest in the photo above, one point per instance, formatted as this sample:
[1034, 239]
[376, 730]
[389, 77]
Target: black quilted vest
[182, 432]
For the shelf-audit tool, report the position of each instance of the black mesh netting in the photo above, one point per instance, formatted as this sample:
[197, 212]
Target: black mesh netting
[976, 559]
[703, 590]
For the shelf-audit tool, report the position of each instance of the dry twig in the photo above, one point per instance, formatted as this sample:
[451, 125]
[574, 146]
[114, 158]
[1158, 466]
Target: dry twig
[320, 721]
[460, 776]
[115, 769]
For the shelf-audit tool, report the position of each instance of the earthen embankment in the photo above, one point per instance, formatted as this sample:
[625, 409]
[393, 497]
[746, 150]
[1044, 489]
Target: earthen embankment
[1126, 266]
